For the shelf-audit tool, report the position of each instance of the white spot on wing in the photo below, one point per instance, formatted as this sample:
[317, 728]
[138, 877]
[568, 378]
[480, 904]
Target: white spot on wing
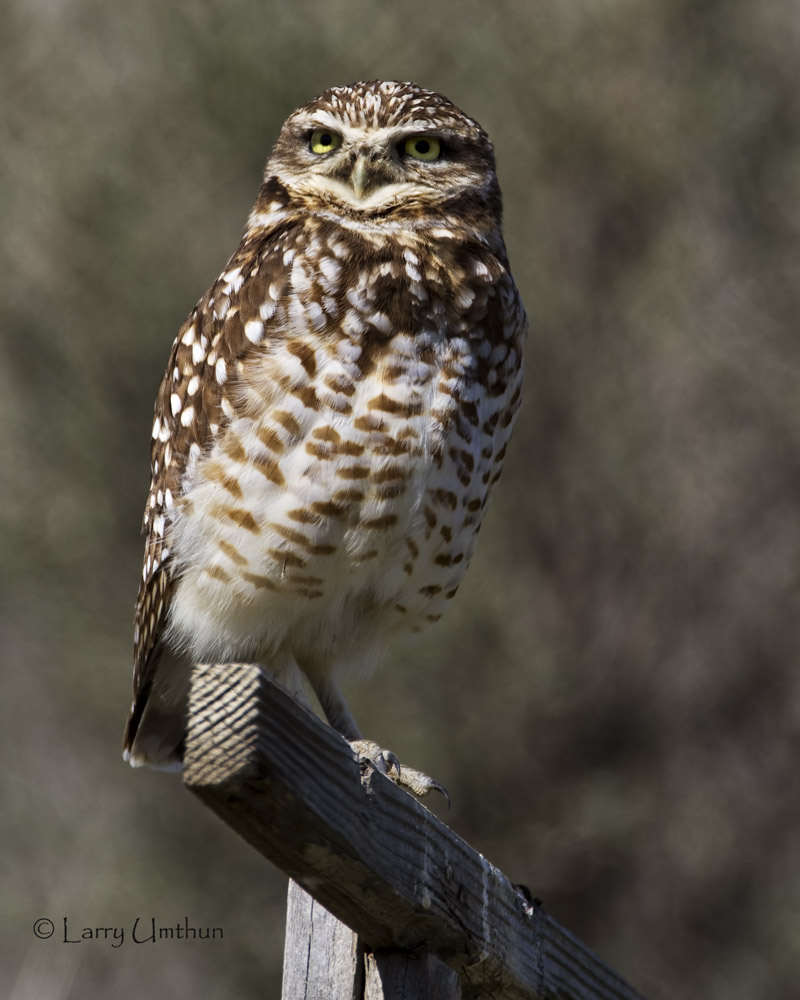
[465, 297]
[352, 323]
[233, 279]
[348, 350]
[270, 218]
[316, 315]
[330, 270]
[381, 322]
[300, 278]
[254, 331]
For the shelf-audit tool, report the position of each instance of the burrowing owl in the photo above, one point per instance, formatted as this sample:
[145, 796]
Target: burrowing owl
[335, 410]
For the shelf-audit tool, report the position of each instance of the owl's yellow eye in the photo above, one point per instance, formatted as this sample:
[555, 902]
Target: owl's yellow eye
[323, 140]
[423, 147]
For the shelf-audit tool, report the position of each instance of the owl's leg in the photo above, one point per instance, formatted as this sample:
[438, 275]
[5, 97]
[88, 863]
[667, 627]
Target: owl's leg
[340, 718]
[283, 667]
[335, 707]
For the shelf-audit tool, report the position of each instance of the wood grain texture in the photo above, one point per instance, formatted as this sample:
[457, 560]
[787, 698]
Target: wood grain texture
[369, 852]
[391, 975]
[322, 958]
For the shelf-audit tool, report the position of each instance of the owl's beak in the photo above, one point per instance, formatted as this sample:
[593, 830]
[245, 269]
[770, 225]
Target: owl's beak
[368, 171]
[360, 176]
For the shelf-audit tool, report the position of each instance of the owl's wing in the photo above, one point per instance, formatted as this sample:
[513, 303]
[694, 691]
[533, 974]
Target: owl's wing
[235, 317]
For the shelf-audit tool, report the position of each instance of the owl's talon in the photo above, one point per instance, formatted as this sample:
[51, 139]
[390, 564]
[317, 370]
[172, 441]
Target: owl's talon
[383, 760]
[406, 777]
[420, 784]
[391, 763]
[436, 787]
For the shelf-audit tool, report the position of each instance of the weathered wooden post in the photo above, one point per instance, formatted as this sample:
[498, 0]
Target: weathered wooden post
[324, 958]
[388, 903]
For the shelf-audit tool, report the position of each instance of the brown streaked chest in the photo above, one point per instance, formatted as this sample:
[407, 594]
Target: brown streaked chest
[360, 443]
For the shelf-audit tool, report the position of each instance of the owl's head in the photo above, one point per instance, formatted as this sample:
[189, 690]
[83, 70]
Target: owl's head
[381, 148]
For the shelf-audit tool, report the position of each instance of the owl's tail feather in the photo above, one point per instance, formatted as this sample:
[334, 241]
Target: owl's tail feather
[155, 732]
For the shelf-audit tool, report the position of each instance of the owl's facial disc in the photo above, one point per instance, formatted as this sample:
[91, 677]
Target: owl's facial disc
[367, 169]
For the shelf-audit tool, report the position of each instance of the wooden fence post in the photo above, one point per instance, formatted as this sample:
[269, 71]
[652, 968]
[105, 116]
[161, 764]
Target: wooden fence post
[322, 957]
[430, 917]
[324, 960]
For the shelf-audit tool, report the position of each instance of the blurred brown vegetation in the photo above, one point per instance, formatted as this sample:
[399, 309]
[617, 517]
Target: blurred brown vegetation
[614, 701]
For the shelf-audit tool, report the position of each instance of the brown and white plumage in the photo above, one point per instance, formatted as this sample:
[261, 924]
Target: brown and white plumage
[335, 410]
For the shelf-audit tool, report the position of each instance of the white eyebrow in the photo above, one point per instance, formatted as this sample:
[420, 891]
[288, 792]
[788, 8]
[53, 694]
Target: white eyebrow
[358, 133]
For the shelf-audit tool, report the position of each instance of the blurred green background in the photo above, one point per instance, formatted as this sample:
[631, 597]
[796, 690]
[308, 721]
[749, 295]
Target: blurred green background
[613, 700]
